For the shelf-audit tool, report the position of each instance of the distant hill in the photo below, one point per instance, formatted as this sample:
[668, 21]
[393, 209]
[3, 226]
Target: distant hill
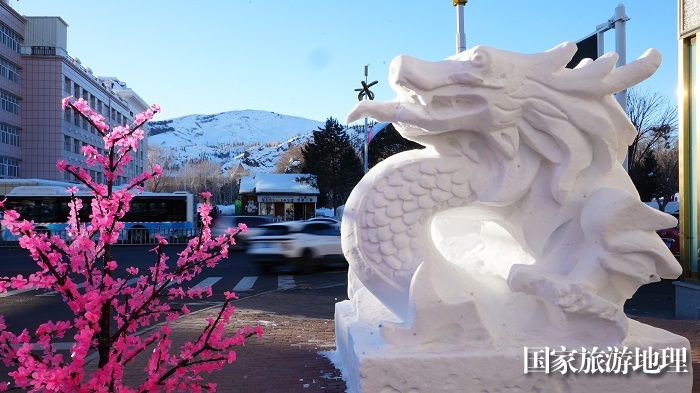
[255, 138]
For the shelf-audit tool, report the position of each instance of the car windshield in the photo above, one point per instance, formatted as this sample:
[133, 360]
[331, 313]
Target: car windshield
[322, 228]
[275, 230]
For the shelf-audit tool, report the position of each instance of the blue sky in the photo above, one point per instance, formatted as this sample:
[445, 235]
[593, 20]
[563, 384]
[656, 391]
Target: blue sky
[304, 58]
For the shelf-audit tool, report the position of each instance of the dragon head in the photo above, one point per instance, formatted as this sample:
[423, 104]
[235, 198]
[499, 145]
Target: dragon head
[506, 97]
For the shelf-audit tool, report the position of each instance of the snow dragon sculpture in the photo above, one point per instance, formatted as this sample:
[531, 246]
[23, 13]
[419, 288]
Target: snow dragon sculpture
[539, 230]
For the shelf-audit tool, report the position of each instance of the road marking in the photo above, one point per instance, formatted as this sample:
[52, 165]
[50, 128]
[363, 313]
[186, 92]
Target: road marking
[129, 283]
[285, 282]
[59, 346]
[16, 292]
[246, 284]
[54, 293]
[207, 282]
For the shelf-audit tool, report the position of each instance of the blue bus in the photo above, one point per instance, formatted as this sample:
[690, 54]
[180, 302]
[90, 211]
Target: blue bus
[171, 215]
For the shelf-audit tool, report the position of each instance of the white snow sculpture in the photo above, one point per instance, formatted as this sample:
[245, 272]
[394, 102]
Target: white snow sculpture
[516, 226]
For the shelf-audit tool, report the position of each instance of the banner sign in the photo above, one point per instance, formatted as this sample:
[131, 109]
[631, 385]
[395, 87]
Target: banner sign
[287, 199]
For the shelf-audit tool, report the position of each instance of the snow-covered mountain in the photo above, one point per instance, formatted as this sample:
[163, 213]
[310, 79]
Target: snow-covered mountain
[224, 136]
[263, 158]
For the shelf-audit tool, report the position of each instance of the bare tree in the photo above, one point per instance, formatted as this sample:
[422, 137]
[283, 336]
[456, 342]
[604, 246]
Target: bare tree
[656, 121]
[198, 176]
[290, 161]
[653, 156]
[156, 155]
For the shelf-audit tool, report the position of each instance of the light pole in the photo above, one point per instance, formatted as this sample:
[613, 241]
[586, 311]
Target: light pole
[365, 92]
[461, 39]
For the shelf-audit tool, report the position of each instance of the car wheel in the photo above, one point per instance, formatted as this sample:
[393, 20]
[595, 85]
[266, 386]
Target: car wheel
[307, 264]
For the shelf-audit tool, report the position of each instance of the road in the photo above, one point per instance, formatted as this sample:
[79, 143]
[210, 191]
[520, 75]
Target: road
[27, 309]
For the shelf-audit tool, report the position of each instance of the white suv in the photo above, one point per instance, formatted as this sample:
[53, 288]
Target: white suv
[305, 243]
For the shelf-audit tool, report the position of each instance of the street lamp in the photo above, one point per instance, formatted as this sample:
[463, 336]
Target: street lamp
[461, 39]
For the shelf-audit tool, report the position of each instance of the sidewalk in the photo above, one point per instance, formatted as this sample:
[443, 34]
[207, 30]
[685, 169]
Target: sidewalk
[298, 324]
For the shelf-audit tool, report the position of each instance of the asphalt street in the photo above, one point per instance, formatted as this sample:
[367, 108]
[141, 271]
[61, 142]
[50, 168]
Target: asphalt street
[27, 309]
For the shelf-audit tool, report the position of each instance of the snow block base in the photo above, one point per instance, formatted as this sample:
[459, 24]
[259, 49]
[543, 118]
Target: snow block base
[369, 365]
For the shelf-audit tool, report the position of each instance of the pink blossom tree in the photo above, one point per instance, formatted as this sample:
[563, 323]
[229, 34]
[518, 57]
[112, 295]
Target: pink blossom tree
[108, 314]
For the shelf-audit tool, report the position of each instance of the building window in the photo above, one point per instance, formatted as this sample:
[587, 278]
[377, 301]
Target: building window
[99, 106]
[9, 134]
[266, 209]
[10, 38]
[9, 167]
[76, 90]
[92, 101]
[67, 143]
[76, 118]
[76, 146]
[66, 85]
[10, 102]
[67, 114]
[9, 70]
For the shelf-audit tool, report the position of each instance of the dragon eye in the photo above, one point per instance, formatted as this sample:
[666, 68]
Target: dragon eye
[479, 59]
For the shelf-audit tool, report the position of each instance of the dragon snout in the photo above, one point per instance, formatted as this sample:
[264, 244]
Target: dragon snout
[408, 74]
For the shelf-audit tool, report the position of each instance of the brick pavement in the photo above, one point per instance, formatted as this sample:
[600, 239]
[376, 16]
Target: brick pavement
[298, 325]
[685, 328]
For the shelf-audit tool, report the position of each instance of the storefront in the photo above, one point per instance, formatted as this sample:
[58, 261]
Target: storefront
[285, 196]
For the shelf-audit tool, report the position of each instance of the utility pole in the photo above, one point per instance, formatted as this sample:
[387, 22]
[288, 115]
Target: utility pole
[366, 153]
[461, 39]
[365, 92]
[617, 22]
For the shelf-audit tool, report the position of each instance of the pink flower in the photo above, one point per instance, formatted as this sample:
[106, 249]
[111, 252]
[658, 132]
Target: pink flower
[74, 269]
[230, 295]
[155, 108]
[206, 194]
[243, 227]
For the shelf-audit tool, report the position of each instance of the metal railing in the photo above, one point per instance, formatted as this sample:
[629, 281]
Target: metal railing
[133, 236]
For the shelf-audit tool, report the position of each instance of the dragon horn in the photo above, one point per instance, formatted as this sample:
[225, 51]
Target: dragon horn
[560, 55]
[629, 75]
[601, 67]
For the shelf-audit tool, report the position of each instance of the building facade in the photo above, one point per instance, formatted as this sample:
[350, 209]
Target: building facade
[282, 195]
[688, 289]
[689, 132]
[12, 27]
[49, 133]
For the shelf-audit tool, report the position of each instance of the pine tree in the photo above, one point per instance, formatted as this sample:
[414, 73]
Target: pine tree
[331, 157]
[387, 143]
[645, 177]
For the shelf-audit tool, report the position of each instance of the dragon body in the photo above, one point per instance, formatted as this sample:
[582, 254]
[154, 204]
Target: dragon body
[520, 143]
